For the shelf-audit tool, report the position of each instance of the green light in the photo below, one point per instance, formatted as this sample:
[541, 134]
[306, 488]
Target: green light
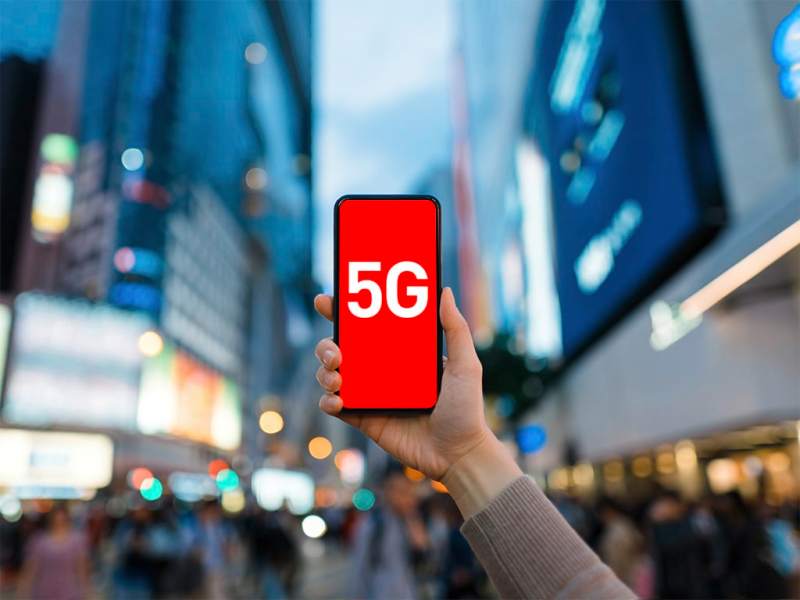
[227, 480]
[363, 499]
[151, 489]
[59, 148]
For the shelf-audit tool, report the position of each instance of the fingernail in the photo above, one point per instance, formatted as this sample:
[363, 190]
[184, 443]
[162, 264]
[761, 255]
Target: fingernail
[326, 403]
[327, 356]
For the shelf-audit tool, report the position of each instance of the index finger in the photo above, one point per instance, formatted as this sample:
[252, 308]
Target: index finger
[324, 305]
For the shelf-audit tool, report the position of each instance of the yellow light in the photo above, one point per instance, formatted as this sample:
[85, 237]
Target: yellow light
[583, 474]
[150, 343]
[613, 471]
[439, 486]
[742, 272]
[320, 447]
[723, 475]
[270, 421]
[558, 479]
[665, 462]
[233, 501]
[413, 474]
[685, 455]
[642, 466]
[777, 461]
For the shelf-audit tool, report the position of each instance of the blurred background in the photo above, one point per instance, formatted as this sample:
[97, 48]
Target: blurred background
[620, 191]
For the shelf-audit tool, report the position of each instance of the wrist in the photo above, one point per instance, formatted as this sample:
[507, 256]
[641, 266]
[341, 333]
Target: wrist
[480, 475]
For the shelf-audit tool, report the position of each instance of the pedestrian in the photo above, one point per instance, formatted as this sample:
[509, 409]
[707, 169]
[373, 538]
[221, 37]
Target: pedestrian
[620, 544]
[389, 542]
[56, 563]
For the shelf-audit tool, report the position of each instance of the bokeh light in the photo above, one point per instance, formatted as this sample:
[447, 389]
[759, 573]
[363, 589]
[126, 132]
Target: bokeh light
[132, 159]
[215, 466]
[363, 499]
[531, 438]
[642, 466]
[233, 501]
[10, 508]
[151, 489]
[255, 53]
[320, 447]
[256, 178]
[314, 526]
[723, 475]
[151, 343]
[325, 497]
[124, 260]
[227, 480]
[351, 465]
[270, 422]
[778, 461]
[137, 477]
[59, 148]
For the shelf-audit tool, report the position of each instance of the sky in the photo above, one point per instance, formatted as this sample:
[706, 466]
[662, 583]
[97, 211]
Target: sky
[381, 105]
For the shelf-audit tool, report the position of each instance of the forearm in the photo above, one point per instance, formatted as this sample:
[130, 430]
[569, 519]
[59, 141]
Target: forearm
[480, 476]
[525, 545]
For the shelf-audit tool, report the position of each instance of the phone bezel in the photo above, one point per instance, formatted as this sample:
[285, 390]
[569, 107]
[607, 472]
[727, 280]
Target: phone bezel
[439, 340]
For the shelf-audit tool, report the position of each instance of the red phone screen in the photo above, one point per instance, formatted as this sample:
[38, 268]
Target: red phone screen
[387, 291]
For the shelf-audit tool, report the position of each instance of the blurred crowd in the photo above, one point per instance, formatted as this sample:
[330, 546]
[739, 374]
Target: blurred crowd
[403, 547]
[718, 547]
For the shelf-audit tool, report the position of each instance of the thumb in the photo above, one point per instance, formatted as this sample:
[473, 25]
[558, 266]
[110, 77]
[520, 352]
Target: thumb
[460, 349]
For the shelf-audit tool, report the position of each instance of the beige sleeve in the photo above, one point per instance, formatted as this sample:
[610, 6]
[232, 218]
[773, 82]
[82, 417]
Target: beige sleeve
[530, 551]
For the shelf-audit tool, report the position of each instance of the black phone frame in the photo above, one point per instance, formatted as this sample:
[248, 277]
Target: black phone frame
[439, 334]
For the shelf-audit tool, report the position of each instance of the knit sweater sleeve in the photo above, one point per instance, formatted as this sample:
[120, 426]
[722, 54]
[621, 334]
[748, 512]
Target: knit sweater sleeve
[530, 551]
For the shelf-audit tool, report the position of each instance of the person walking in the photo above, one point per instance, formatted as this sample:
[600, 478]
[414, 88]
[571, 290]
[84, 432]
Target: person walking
[56, 563]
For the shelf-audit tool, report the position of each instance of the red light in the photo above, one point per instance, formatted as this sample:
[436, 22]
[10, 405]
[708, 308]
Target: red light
[137, 476]
[215, 466]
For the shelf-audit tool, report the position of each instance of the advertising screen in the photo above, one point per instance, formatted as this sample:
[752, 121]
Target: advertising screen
[275, 487]
[179, 396]
[52, 460]
[621, 146]
[73, 362]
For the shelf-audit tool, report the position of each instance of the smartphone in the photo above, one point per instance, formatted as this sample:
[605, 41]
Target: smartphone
[387, 286]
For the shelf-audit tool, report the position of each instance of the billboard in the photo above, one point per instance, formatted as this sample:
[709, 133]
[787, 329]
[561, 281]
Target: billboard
[181, 397]
[623, 159]
[73, 362]
[44, 460]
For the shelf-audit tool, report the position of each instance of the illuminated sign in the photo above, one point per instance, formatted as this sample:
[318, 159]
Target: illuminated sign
[578, 54]
[53, 460]
[181, 397]
[192, 487]
[786, 52]
[619, 174]
[275, 487]
[53, 189]
[73, 362]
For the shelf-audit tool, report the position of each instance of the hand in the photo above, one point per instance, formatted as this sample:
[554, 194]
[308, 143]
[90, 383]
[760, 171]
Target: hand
[430, 443]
